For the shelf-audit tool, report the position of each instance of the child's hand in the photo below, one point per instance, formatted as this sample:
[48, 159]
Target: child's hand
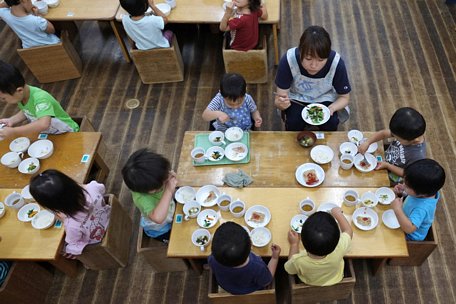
[399, 189]
[382, 166]
[258, 122]
[7, 122]
[171, 183]
[397, 203]
[335, 211]
[293, 237]
[275, 251]
[229, 7]
[6, 132]
[223, 117]
[362, 148]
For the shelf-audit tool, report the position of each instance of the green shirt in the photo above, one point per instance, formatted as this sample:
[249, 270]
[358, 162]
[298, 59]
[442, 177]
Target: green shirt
[146, 202]
[42, 104]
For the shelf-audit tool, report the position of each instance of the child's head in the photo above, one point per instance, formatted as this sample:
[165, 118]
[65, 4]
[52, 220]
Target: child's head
[58, 192]
[407, 124]
[12, 2]
[233, 88]
[11, 83]
[145, 171]
[231, 244]
[135, 7]
[424, 177]
[320, 234]
[315, 43]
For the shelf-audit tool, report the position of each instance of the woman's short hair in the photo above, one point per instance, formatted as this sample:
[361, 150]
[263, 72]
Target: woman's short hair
[315, 42]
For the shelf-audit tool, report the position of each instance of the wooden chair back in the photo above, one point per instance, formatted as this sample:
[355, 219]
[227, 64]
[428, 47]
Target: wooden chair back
[54, 62]
[159, 65]
[253, 64]
[302, 293]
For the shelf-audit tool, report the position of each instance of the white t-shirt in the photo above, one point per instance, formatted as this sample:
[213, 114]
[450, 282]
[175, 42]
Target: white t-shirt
[146, 32]
[30, 29]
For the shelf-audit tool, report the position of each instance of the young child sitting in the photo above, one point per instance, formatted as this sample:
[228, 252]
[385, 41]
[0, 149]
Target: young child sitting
[81, 207]
[407, 125]
[422, 182]
[144, 29]
[38, 107]
[237, 269]
[152, 186]
[322, 261]
[22, 18]
[232, 107]
[243, 27]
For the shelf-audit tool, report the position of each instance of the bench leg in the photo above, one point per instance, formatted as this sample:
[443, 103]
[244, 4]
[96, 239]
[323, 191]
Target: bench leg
[67, 266]
[376, 265]
[276, 44]
[121, 42]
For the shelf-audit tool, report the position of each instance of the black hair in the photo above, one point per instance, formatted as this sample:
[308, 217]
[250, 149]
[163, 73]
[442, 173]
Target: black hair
[135, 7]
[320, 234]
[145, 171]
[58, 192]
[12, 2]
[407, 123]
[424, 176]
[254, 5]
[315, 42]
[233, 86]
[231, 244]
[10, 78]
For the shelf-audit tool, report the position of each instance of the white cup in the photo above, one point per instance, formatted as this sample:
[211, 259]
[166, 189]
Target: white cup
[198, 155]
[351, 198]
[191, 209]
[12, 159]
[42, 7]
[14, 200]
[346, 161]
[224, 198]
[307, 206]
[217, 138]
[171, 3]
[200, 235]
[237, 208]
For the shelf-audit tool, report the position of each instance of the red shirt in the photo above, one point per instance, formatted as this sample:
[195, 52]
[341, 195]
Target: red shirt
[244, 31]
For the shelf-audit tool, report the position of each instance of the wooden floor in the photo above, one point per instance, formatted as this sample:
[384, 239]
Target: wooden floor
[398, 53]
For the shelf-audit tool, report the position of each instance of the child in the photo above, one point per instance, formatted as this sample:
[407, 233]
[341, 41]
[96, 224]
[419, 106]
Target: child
[32, 29]
[321, 263]
[145, 30]
[407, 125]
[152, 186]
[236, 268]
[243, 27]
[38, 107]
[81, 207]
[422, 182]
[312, 73]
[232, 107]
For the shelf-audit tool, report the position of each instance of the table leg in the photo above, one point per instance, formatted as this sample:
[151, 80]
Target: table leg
[276, 44]
[196, 265]
[121, 42]
[67, 266]
[377, 264]
[102, 168]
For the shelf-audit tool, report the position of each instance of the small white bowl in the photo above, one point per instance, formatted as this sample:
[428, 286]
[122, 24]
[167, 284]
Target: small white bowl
[41, 149]
[385, 195]
[234, 134]
[2, 209]
[215, 153]
[201, 238]
[355, 136]
[348, 148]
[297, 221]
[372, 147]
[390, 220]
[207, 195]
[165, 8]
[321, 154]
[207, 218]
[217, 138]
[29, 165]
[14, 200]
[43, 220]
[28, 212]
[11, 159]
[185, 194]
[19, 144]
[369, 199]
[260, 236]
[191, 209]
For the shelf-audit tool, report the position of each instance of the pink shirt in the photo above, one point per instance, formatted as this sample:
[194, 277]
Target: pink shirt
[88, 227]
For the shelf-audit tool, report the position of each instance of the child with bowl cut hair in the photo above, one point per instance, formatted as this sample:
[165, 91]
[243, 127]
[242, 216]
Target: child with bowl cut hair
[237, 269]
[152, 183]
[407, 126]
[321, 263]
[232, 107]
[422, 181]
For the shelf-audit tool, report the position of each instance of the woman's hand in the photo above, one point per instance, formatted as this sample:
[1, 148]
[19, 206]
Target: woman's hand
[282, 102]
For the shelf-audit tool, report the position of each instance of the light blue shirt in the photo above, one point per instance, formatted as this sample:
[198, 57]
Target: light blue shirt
[146, 32]
[30, 29]
[420, 212]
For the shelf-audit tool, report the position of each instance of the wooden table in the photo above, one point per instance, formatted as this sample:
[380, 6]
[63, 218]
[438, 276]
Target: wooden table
[274, 158]
[68, 151]
[211, 11]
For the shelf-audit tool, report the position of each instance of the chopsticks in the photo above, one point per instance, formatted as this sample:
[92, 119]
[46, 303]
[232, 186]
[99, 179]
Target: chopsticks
[292, 100]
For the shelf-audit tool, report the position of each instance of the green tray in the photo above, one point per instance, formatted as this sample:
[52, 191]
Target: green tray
[202, 140]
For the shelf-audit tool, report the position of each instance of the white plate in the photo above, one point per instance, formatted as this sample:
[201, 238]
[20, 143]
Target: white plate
[185, 194]
[215, 151]
[365, 212]
[234, 134]
[348, 148]
[2, 210]
[297, 221]
[164, 8]
[372, 148]
[326, 207]
[203, 194]
[28, 212]
[321, 154]
[307, 119]
[309, 166]
[19, 144]
[260, 209]
[371, 159]
[41, 149]
[236, 151]
[355, 136]
[390, 220]
[43, 220]
[207, 218]
[260, 236]
[385, 195]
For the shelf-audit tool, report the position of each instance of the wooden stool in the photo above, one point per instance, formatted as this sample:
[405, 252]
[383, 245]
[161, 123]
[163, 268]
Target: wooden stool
[218, 296]
[253, 64]
[302, 293]
[26, 282]
[159, 65]
[155, 253]
[113, 251]
[418, 251]
[85, 125]
[54, 62]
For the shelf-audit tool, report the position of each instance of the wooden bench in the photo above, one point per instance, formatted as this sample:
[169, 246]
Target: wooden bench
[418, 251]
[159, 65]
[253, 64]
[54, 62]
[114, 250]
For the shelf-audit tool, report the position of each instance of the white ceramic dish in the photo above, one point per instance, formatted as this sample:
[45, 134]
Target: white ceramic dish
[326, 207]
[260, 236]
[321, 154]
[365, 212]
[28, 212]
[29, 165]
[372, 147]
[217, 138]
[185, 194]
[19, 144]
[215, 153]
[52, 3]
[307, 119]
[41, 149]
[234, 134]
[385, 195]
[43, 220]
[348, 148]
[14, 200]
[201, 238]
[258, 209]
[2, 209]
[236, 151]
[207, 195]
[369, 199]
[368, 167]
[306, 167]
[207, 218]
[165, 8]
[11, 159]
[390, 220]
[297, 221]
[355, 136]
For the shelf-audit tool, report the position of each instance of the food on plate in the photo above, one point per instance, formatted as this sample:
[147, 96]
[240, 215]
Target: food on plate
[364, 221]
[224, 203]
[218, 139]
[310, 177]
[354, 139]
[306, 207]
[216, 155]
[239, 149]
[306, 141]
[193, 211]
[17, 200]
[31, 167]
[208, 221]
[315, 113]
[368, 202]
[238, 209]
[257, 217]
[298, 226]
[211, 196]
[365, 165]
[186, 196]
[383, 198]
[31, 213]
[260, 237]
[202, 240]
